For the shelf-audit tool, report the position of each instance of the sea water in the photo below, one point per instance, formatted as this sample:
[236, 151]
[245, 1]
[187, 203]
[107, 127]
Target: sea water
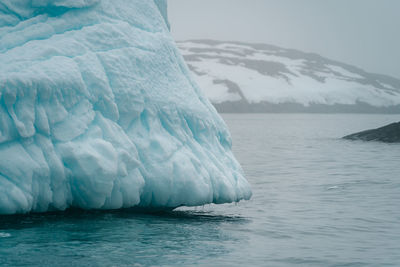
[317, 200]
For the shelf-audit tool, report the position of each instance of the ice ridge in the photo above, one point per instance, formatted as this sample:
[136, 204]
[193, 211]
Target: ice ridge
[99, 111]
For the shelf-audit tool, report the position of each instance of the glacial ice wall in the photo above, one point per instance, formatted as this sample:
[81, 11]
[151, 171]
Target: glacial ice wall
[98, 111]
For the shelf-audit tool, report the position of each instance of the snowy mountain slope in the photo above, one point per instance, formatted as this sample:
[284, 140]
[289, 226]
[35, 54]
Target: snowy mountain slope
[240, 77]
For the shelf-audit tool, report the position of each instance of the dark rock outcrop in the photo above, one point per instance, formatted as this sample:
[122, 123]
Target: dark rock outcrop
[388, 134]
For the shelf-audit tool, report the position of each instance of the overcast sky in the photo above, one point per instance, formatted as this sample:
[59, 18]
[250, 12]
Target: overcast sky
[365, 33]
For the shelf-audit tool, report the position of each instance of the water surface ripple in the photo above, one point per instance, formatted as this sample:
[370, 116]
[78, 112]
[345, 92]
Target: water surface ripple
[318, 201]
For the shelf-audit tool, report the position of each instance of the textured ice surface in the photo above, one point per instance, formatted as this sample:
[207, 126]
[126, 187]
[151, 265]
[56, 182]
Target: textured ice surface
[98, 110]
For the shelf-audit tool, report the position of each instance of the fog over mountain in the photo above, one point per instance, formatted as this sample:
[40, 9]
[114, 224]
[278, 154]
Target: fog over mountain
[363, 33]
[241, 77]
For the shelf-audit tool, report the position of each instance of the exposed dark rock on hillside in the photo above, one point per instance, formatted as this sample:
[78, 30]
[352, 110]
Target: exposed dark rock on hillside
[242, 77]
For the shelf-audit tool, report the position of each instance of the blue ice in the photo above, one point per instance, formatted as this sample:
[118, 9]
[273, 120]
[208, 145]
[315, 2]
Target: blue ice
[98, 111]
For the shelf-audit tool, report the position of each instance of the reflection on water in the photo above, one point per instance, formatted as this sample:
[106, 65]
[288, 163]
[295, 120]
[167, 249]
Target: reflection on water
[317, 201]
[113, 237]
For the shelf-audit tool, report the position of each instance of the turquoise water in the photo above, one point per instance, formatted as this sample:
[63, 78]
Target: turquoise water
[318, 201]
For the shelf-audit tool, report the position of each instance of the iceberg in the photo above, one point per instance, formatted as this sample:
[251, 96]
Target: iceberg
[99, 111]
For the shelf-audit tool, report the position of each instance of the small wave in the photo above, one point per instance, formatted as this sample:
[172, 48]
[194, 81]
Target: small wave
[4, 235]
[333, 187]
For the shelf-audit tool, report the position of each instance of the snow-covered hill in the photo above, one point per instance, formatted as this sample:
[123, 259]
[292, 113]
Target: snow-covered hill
[240, 77]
